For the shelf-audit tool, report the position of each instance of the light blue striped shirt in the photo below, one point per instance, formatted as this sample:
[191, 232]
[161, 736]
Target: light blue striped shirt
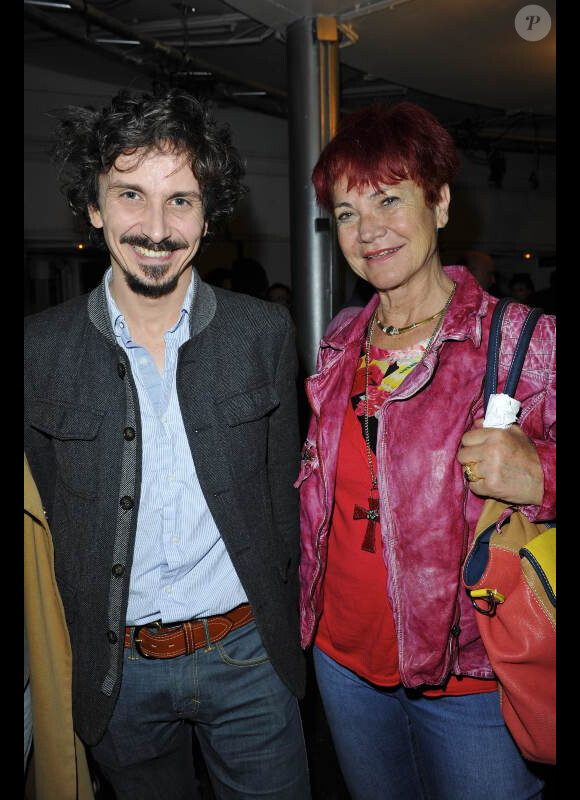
[181, 568]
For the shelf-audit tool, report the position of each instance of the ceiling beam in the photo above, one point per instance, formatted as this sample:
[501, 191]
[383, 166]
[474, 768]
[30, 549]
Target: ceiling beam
[169, 58]
[47, 24]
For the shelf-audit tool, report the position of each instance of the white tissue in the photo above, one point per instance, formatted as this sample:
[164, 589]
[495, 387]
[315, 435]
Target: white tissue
[502, 411]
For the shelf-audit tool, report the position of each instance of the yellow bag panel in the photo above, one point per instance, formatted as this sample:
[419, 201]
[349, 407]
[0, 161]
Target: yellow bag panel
[543, 549]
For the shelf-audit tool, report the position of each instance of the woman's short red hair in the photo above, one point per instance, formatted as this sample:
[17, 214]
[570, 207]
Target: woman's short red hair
[385, 145]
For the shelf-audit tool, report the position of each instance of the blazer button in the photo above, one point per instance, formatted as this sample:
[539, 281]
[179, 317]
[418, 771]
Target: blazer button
[129, 434]
[126, 503]
[118, 570]
[112, 637]
[121, 369]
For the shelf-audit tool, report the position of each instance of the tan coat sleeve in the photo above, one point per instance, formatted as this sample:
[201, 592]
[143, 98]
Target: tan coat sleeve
[60, 766]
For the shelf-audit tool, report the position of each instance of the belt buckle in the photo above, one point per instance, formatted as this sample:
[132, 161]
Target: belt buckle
[158, 624]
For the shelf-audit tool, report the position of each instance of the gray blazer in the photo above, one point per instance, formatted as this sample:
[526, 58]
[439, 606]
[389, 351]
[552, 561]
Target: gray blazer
[236, 382]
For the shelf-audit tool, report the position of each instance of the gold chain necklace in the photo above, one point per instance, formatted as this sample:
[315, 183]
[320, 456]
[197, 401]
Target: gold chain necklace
[391, 330]
[372, 513]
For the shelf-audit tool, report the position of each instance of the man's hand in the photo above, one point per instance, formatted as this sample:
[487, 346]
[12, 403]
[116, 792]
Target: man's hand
[507, 463]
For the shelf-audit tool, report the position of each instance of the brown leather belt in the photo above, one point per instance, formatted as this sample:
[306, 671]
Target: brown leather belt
[180, 638]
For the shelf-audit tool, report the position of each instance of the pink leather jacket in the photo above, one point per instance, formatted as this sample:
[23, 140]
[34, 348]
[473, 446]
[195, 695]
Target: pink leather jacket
[428, 515]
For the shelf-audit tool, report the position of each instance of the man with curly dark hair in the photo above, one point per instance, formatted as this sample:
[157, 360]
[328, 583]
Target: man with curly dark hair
[161, 430]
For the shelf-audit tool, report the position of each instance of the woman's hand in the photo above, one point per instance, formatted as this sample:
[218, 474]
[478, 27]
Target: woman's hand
[506, 463]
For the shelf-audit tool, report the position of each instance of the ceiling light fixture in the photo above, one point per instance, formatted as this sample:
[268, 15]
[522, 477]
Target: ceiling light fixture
[47, 4]
[196, 73]
[118, 41]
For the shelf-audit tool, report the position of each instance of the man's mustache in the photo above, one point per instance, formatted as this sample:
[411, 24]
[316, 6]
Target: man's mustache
[143, 241]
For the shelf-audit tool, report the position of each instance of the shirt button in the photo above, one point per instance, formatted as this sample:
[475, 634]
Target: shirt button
[118, 570]
[121, 370]
[126, 503]
[129, 434]
[455, 630]
[112, 637]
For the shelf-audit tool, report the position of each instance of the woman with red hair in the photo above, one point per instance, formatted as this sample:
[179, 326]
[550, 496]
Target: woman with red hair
[394, 471]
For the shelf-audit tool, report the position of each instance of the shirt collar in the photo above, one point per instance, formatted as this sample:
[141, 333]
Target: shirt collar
[117, 317]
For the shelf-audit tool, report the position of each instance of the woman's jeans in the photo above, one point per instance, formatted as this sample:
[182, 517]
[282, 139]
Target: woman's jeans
[246, 720]
[394, 744]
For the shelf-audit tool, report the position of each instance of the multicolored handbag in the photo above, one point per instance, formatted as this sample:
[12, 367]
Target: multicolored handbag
[510, 574]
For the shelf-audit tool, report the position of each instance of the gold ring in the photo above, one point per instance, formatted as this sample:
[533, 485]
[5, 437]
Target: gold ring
[470, 474]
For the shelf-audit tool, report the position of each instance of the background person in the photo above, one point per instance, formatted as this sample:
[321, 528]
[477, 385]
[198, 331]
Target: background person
[521, 287]
[546, 298]
[161, 430]
[220, 276]
[249, 277]
[280, 293]
[387, 513]
[482, 267]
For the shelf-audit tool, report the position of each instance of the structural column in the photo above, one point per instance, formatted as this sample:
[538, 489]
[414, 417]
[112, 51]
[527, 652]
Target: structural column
[312, 56]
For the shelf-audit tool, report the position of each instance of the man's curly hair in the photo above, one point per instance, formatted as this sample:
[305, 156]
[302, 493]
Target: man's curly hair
[88, 142]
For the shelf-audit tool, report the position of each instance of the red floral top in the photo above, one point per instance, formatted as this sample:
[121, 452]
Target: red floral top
[357, 627]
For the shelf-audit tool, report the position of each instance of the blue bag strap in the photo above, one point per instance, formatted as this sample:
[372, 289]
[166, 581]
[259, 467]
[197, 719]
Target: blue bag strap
[493, 348]
[494, 345]
[526, 332]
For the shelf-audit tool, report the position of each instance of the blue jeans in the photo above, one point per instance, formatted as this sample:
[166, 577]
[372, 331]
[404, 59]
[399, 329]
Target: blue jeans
[246, 720]
[394, 744]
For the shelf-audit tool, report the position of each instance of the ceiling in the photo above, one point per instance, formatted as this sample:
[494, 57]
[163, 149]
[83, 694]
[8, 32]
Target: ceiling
[461, 59]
